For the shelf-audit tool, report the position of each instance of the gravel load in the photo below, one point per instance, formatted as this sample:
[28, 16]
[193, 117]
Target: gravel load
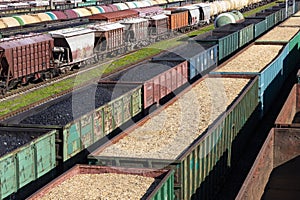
[143, 72]
[78, 104]
[169, 133]
[284, 34]
[11, 140]
[101, 186]
[253, 59]
[183, 52]
[292, 21]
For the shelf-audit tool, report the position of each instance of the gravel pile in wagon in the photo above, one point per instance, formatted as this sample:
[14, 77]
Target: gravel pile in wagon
[182, 52]
[253, 59]
[292, 21]
[101, 186]
[11, 140]
[211, 36]
[143, 72]
[280, 34]
[167, 134]
[76, 105]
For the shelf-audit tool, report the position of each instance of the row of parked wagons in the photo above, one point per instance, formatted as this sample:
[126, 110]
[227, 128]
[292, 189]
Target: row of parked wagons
[274, 173]
[196, 163]
[47, 55]
[213, 9]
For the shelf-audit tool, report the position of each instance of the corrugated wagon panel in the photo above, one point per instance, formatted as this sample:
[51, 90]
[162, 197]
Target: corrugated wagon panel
[8, 175]
[45, 154]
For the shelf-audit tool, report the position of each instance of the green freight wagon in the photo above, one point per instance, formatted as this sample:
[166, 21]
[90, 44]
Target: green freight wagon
[203, 160]
[227, 42]
[25, 155]
[85, 116]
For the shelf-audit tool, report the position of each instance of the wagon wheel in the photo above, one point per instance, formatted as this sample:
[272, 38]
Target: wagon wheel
[3, 91]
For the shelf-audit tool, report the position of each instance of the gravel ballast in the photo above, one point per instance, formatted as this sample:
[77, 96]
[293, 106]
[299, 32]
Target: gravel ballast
[253, 59]
[100, 186]
[169, 133]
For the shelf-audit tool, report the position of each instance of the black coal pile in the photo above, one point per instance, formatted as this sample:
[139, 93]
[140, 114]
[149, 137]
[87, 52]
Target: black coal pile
[10, 140]
[76, 105]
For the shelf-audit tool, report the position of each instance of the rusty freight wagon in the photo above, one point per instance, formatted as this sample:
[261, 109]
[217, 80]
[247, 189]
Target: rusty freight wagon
[275, 172]
[24, 58]
[178, 20]
[84, 116]
[120, 183]
[192, 134]
[159, 79]
[25, 155]
[109, 39]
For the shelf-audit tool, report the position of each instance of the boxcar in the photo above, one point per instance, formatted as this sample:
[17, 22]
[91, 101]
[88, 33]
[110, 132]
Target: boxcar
[25, 155]
[177, 20]
[194, 149]
[85, 116]
[200, 58]
[116, 180]
[159, 79]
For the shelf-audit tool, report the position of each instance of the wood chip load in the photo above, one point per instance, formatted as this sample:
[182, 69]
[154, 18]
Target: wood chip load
[253, 59]
[292, 21]
[282, 34]
[107, 186]
[167, 134]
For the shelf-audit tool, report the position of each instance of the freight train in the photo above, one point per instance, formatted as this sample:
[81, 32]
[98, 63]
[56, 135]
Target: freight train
[65, 139]
[32, 57]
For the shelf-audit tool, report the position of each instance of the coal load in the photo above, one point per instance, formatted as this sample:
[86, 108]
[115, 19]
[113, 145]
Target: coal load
[77, 104]
[182, 53]
[12, 139]
[142, 72]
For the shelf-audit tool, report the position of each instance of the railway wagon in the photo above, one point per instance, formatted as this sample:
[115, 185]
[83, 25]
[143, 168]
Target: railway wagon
[227, 42]
[109, 39]
[25, 155]
[199, 150]
[24, 58]
[84, 117]
[260, 25]
[72, 47]
[269, 68]
[274, 173]
[245, 32]
[200, 58]
[177, 20]
[120, 183]
[159, 79]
